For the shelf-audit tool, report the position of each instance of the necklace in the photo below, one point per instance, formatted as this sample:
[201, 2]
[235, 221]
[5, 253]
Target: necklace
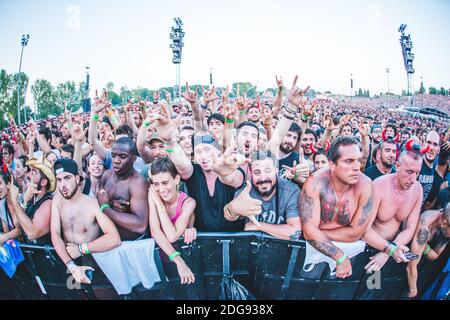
[397, 192]
[336, 208]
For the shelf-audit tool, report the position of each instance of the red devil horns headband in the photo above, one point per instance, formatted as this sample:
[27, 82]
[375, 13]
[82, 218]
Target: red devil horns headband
[384, 138]
[314, 151]
[410, 147]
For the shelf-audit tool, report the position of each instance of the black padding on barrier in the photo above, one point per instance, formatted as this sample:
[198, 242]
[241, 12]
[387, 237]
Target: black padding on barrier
[269, 268]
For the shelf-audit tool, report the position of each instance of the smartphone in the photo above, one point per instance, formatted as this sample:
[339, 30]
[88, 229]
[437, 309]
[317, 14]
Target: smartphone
[411, 256]
[89, 274]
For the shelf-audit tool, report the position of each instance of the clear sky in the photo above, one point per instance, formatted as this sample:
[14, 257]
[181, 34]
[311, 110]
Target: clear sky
[127, 42]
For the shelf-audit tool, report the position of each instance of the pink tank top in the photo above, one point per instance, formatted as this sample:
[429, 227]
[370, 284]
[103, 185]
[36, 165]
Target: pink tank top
[183, 196]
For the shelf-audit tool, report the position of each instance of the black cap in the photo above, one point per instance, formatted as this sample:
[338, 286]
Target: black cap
[65, 165]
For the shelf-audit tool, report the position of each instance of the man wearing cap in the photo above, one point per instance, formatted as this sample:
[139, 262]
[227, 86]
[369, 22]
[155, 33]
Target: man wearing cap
[33, 210]
[77, 222]
[375, 135]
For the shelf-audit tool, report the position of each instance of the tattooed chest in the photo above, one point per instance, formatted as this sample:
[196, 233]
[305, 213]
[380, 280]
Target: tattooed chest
[331, 210]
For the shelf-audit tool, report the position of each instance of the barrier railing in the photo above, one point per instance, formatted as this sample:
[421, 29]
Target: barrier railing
[269, 268]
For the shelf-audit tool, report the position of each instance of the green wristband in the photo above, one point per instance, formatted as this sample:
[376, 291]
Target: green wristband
[169, 150]
[96, 117]
[391, 252]
[242, 111]
[344, 256]
[147, 123]
[296, 176]
[428, 249]
[86, 249]
[104, 206]
[173, 255]
[229, 121]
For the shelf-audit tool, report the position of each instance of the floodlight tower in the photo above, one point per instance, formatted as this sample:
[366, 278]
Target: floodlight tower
[408, 56]
[176, 36]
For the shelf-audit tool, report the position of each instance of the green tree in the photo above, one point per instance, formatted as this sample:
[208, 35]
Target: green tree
[432, 90]
[125, 94]
[442, 91]
[67, 93]
[246, 88]
[8, 94]
[360, 93]
[44, 95]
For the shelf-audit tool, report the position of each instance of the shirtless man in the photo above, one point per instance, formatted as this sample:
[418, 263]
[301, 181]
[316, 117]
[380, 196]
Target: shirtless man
[336, 203]
[123, 192]
[431, 238]
[79, 218]
[396, 210]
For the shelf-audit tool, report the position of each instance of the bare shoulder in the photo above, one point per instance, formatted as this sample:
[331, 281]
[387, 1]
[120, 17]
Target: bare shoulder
[190, 202]
[138, 182]
[382, 181]
[91, 201]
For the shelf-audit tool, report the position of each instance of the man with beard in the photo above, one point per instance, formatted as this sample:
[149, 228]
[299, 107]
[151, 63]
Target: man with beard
[247, 138]
[428, 177]
[375, 135]
[386, 164]
[336, 203]
[254, 115]
[273, 200]
[396, 210]
[77, 223]
[123, 192]
[33, 212]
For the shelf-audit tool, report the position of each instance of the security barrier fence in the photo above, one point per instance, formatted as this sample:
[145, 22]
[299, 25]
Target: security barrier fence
[266, 267]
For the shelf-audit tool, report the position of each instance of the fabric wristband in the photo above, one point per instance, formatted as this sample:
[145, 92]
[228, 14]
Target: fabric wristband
[230, 121]
[428, 249]
[96, 117]
[344, 256]
[147, 123]
[295, 176]
[71, 265]
[173, 255]
[242, 111]
[104, 206]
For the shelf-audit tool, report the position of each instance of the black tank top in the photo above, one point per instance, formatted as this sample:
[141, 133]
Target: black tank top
[31, 211]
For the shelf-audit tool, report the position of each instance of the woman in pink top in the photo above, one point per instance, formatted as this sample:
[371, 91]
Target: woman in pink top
[171, 212]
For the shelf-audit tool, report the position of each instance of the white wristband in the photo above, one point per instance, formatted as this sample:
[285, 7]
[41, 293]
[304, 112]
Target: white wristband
[71, 265]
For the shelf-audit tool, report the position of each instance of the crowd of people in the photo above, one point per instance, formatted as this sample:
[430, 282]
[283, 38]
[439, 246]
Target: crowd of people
[330, 172]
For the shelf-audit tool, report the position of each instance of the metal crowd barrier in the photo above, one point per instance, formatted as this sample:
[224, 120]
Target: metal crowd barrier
[269, 268]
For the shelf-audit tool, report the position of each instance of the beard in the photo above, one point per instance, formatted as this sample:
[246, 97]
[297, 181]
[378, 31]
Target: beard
[286, 148]
[70, 196]
[268, 192]
[387, 164]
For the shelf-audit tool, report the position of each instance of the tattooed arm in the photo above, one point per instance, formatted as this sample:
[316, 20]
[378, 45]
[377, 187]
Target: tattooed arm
[418, 246]
[358, 225]
[310, 219]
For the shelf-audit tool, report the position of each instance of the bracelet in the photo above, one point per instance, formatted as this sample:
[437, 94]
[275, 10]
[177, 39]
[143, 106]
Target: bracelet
[147, 123]
[242, 111]
[344, 256]
[104, 206]
[80, 249]
[85, 248]
[229, 121]
[295, 176]
[96, 117]
[428, 249]
[391, 252]
[169, 150]
[173, 255]
[71, 265]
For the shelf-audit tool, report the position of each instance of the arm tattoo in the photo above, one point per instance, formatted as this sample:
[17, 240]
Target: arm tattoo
[422, 236]
[367, 209]
[306, 207]
[327, 201]
[326, 247]
[296, 235]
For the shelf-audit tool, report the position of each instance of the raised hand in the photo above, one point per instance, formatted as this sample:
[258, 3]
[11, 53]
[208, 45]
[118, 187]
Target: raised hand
[280, 83]
[209, 95]
[165, 126]
[363, 129]
[230, 159]
[245, 205]
[295, 95]
[190, 96]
